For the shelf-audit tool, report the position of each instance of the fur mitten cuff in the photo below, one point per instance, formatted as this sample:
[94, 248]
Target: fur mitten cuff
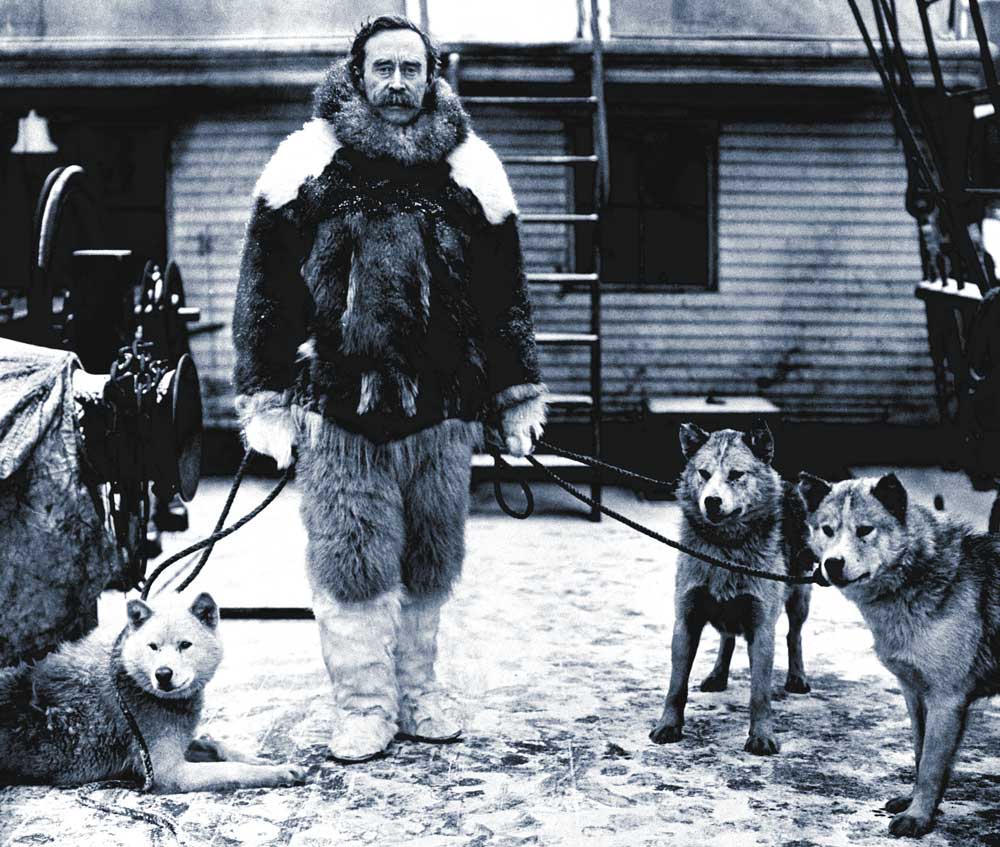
[268, 426]
[523, 423]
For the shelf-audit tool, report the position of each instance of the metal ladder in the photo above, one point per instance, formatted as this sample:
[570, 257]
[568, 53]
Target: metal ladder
[589, 403]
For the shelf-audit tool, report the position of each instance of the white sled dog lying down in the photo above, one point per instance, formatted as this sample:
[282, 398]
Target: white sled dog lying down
[60, 723]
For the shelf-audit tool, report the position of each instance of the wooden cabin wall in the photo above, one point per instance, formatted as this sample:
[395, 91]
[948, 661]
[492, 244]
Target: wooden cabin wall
[817, 260]
[817, 265]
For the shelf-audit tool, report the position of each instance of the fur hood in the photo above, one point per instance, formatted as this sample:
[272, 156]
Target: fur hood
[439, 128]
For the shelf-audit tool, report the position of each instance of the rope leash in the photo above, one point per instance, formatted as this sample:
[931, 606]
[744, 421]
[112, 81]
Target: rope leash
[219, 532]
[154, 820]
[815, 578]
[505, 507]
[115, 666]
[597, 463]
[84, 791]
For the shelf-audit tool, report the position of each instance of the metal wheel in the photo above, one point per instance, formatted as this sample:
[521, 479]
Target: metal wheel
[65, 220]
[177, 314]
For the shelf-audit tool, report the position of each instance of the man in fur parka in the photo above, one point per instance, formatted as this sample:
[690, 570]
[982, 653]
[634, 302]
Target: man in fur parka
[381, 321]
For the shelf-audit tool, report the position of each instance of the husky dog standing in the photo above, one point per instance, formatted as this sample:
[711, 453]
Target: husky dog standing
[736, 507]
[928, 588]
[60, 723]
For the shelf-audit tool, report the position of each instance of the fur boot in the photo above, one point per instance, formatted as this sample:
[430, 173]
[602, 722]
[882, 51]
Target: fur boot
[359, 641]
[425, 713]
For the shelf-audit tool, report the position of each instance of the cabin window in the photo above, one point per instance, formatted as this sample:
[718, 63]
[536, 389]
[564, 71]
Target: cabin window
[658, 230]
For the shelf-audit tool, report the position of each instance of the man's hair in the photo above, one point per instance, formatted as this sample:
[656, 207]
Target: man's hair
[386, 23]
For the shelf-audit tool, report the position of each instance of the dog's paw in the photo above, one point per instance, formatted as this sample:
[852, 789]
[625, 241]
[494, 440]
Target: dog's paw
[797, 684]
[665, 734]
[898, 804]
[289, 775]
[714, 682]
[910, 826]
[762, 745]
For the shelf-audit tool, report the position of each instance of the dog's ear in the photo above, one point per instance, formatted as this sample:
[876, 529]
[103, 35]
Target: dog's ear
[138, 613]
[760, 441]
[205, 610]
[890, 493]
[813, 490]
[692, 438]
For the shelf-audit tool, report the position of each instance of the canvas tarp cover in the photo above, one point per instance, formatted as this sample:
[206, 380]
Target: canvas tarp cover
[56, 548]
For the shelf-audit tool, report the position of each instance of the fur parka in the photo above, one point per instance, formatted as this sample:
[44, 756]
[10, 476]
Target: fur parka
[381, 282]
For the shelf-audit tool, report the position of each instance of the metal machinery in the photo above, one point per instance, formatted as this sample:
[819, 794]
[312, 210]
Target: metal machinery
[951, 140]
[141, 421]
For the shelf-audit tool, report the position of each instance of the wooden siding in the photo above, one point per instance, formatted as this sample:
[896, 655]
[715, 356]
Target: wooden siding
[815, 307]
[817, 263]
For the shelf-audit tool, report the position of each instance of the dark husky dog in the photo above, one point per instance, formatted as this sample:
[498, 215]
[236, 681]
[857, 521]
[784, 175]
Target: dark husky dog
[736, 507]
[929, 589]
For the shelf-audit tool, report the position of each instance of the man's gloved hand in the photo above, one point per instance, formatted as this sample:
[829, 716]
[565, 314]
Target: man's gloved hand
[272, 433]
[521, 425]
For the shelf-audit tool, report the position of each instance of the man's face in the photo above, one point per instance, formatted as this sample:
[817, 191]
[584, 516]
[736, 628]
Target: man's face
[395, 74]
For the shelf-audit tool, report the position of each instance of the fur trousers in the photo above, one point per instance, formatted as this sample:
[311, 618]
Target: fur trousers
[386, 539]
[381, 516]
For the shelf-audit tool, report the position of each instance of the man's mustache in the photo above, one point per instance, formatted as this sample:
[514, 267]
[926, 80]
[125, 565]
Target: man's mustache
[396, 98]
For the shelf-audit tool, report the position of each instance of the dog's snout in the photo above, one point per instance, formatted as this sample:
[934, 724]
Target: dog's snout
[834, 568]
[712, 509]
[163, 676]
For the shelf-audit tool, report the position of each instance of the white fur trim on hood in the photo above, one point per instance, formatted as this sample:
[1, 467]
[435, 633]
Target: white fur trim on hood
[302, 155]
[476, 167]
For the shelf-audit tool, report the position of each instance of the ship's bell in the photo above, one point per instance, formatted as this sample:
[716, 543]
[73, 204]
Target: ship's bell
[33, 135]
